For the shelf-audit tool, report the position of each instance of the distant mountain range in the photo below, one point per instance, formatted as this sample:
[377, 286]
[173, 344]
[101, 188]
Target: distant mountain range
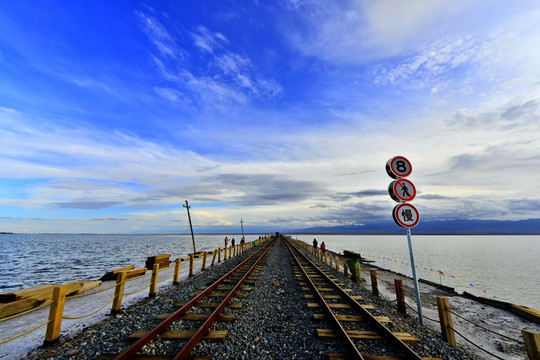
[450, 227]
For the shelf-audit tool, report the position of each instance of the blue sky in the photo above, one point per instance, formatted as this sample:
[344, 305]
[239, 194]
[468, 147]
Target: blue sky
[282, 113]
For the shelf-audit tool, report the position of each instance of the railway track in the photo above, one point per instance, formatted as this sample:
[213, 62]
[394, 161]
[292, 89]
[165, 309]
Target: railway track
[299, 311]
[346, 317]
[205, 307]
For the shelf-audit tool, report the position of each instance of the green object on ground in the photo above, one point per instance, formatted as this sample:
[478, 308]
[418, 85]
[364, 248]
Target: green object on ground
[255, 243]
[351, 264]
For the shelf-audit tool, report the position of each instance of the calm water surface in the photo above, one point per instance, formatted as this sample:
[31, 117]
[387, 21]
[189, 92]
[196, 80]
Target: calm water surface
[33, 259]
[505, 267]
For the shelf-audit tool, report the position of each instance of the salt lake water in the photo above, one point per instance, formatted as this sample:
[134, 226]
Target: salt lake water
[32, 259]
[504, 267]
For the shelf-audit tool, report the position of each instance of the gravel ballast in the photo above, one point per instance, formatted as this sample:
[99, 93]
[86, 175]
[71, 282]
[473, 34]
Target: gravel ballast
[274, 322]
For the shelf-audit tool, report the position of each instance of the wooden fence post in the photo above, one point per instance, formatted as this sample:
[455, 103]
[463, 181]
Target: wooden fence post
[337, 263]
[55, 315]
[213, 257]
[400, 295]
[153, 280]
[345, 268]
[374, 286]
[331, 258]
[191, 261]
[118, 292]
[219, 255]
[445, 318]
[532, 343]
[357, 273]
[204, 260]
[177, 271]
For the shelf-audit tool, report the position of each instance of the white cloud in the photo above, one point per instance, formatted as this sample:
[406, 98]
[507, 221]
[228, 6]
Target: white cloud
[224, 76]
[55, 152]
[358, 32]
[168, 93]
[207, 40]
[431, 66]
[393, 24]
[159, 36]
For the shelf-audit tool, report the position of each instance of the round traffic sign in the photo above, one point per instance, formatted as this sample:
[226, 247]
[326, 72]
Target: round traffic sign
[398, 167]
[406, 215]
[402, 190]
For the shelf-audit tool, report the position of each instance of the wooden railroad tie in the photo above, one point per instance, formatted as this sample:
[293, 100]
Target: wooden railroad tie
[350, 318]
[212, 335]
[366, 335]
[222, 294]
[225, 288]
[338, 306]
[150, 357]
[162, 259]
[329, 297]
[211, 305]
[304, 288]
[17, 301]
[18, 306]
[135, 273]
[373, 357]
[303, 283]
[199, 317]
[111, 275]
[247, 282]
[250, 277]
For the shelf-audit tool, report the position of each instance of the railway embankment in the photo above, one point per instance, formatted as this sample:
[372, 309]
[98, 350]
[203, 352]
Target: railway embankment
[487, 328]
[275, 322]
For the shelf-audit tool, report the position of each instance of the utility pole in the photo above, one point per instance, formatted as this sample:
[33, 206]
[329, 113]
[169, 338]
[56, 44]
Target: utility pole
[242, 225]
[190, 226]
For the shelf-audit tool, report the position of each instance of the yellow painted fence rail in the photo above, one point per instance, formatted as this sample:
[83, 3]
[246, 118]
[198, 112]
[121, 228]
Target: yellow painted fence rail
[60, 297]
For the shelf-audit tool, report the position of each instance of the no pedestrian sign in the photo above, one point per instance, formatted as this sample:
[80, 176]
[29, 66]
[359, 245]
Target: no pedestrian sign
[402, 190]
[406, 215]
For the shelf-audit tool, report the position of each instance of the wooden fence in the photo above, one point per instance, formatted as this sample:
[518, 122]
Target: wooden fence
[19, 303]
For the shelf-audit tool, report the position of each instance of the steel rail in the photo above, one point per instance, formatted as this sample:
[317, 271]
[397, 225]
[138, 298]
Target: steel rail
[383, 330]
[139, 344]
[350, 344]
[184, 352]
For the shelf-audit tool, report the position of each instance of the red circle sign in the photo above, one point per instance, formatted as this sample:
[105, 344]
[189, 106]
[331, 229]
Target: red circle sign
[398, 167]
[402, 190]
[406, 215]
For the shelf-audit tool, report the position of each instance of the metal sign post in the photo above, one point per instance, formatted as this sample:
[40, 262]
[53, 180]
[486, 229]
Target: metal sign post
[405, 214]
[416, 291]
[190, 227]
